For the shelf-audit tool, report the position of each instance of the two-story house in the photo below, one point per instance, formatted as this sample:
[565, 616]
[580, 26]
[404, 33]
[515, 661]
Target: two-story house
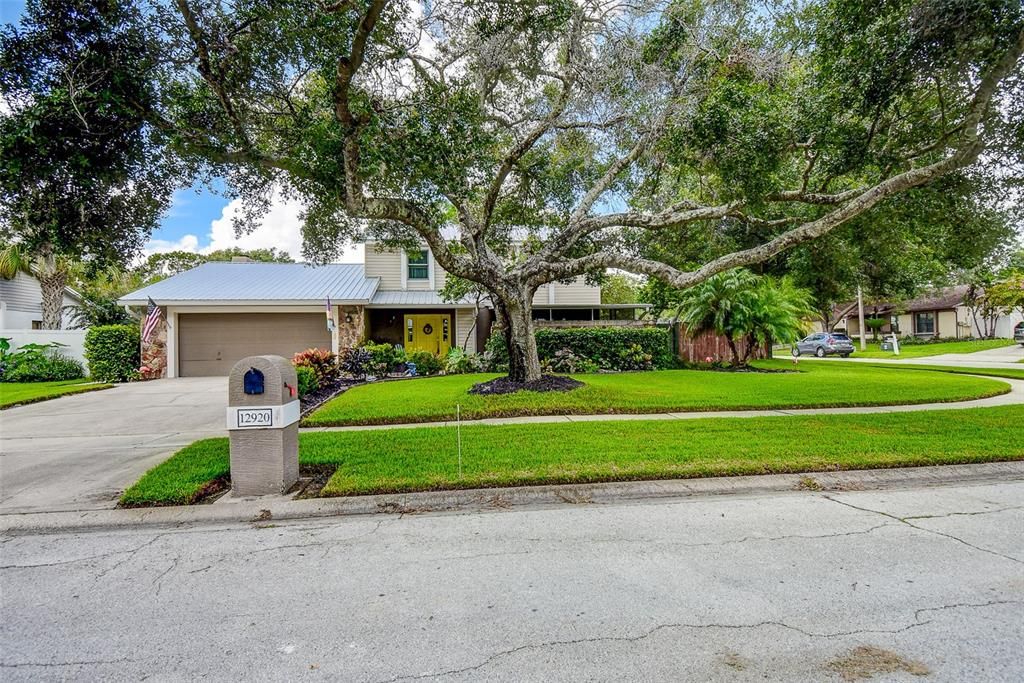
[218, 313]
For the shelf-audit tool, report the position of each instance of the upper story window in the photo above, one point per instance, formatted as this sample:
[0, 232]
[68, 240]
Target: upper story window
[418, 265]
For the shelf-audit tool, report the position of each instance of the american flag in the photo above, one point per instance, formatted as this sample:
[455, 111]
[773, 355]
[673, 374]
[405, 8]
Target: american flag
[330, 316]
[153, 317]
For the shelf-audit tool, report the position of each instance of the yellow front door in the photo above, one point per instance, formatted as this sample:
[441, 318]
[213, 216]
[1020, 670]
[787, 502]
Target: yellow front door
[431, 333]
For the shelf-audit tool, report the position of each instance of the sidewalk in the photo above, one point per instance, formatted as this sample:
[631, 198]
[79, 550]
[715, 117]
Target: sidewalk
[267, 510]
[1005, 357]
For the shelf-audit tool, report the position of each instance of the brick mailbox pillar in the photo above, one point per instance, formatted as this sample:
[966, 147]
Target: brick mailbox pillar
[263, 425]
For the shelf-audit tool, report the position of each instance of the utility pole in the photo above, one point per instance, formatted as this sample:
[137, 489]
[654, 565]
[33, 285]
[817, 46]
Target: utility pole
[860, 314]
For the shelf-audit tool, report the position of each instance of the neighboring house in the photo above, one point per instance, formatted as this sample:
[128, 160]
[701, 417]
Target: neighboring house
[21, 304]
[217, 313]
[940, 313]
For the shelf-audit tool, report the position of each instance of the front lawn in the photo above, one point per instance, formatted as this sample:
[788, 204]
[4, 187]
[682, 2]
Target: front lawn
[874, 349]
[15, 393]
[816, 384]
[425, 458]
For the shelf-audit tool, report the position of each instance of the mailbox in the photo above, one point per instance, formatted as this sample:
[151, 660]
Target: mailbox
[252, 381]
[263, 425]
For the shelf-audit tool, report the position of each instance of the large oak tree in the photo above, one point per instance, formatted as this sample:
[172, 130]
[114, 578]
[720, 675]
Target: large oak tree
[560, 137]
[82, 180]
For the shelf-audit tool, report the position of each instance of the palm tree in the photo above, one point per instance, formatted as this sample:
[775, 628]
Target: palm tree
[720, 305]
[774, 313]
[49, 269]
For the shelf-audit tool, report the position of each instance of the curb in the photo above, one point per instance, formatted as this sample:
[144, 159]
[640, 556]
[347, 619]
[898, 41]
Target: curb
[280, 508]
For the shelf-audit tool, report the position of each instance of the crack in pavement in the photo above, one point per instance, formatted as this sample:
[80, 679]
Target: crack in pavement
[93, 662]
[903, 520]
[965, 514]
[661, 627]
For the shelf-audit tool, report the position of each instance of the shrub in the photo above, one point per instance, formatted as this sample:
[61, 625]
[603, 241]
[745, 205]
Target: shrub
[426, 362]
[38, 363]
[307, 380]
[323, 362]
[112, 352]
[610, 347]
[458, 362]
[565, 361]
[635, 358]
[354, 362]
[384, 357]
[495, 354]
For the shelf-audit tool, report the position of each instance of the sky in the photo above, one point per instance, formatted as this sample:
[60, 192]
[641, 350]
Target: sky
[200, 220]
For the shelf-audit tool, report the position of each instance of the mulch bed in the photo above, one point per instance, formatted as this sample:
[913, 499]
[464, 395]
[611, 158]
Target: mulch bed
[503, 385]
[315, 399]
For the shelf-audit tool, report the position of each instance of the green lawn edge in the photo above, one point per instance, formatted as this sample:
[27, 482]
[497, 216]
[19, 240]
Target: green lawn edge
[1005, 373]
[334, 414]
[424, 458]
[52, 392]
[874, 350]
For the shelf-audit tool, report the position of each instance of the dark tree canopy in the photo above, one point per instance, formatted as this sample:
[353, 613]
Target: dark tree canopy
[735, 129]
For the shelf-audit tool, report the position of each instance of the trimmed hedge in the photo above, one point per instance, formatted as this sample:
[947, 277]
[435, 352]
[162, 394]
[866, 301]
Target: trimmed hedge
[113, 352]
[612, 348]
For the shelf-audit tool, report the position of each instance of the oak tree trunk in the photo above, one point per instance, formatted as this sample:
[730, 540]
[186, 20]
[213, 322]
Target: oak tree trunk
[515, 315]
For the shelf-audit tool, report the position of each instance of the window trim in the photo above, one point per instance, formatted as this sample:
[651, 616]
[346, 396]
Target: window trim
[931, 316]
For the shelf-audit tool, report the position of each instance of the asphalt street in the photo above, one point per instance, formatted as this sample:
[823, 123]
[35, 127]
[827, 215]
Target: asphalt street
[801, 585]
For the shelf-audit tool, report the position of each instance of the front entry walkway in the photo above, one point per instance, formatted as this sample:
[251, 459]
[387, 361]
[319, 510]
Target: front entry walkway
[79, 452]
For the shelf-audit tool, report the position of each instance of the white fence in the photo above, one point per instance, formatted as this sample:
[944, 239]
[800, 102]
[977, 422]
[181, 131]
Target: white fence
[73, 340]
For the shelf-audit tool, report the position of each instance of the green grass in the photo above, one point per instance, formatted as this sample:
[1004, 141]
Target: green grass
[816, 384]
[424, 458]
[15, 393]
[874, 349]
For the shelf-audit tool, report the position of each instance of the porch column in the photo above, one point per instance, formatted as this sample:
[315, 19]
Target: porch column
[336, 332]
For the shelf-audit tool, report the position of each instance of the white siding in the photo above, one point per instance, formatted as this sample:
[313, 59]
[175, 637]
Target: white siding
[388, 265]
[21, 303]
[576, 293]
[465, 321]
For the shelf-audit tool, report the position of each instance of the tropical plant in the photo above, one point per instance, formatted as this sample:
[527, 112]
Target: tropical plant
[426, 363]
[383, 357]
[742, 306]
[774, 313]
[355, 362]
[323, 362]
[37, 363]
[458, 362]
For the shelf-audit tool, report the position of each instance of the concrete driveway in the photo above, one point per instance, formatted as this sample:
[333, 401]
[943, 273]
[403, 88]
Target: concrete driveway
[79, 452]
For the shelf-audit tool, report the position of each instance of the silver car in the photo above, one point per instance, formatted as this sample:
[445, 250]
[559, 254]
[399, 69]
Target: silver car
[1018, 334]
[823, 344]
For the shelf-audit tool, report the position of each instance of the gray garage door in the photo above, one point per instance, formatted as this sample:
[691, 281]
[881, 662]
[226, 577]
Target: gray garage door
[209, 344]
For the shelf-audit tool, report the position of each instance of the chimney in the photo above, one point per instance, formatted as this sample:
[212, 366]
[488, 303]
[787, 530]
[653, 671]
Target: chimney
[241, 259]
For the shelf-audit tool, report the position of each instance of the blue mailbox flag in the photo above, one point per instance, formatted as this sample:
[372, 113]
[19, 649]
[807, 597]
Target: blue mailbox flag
[252, 382]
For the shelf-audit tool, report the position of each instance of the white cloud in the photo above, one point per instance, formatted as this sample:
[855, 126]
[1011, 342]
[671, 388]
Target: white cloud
[280, 228]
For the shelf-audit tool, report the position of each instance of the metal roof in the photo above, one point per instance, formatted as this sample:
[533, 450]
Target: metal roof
[415, 298]
[261, 282]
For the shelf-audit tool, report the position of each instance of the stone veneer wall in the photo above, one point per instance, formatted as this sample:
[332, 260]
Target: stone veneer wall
[350, 334]
[154, 351]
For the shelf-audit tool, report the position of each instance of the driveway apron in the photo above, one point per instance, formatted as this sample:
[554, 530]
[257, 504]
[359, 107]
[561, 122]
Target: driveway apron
[79, 452]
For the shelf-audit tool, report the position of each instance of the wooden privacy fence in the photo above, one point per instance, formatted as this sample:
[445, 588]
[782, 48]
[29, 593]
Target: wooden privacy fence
[714, 346]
